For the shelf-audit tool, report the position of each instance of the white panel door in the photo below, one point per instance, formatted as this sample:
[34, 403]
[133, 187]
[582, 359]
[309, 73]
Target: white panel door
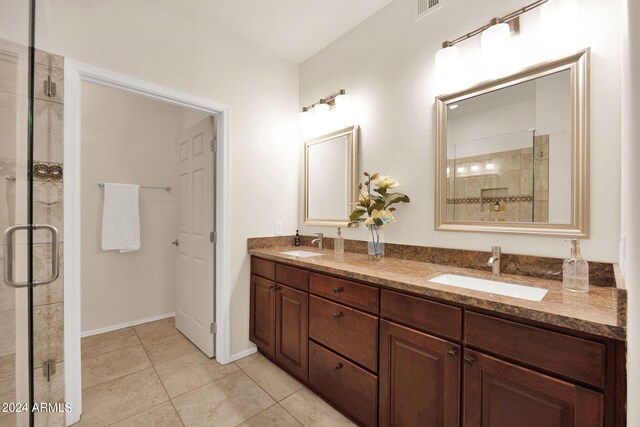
[195, 266]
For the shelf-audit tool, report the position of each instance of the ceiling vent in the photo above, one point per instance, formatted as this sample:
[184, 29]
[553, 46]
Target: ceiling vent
[425, 7]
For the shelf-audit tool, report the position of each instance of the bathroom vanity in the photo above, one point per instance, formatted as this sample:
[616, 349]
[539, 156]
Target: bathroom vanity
[386, 346]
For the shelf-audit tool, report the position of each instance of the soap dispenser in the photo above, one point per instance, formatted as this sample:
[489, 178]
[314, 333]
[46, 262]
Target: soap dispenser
[338, 244]
[575, 270]
[296, 239]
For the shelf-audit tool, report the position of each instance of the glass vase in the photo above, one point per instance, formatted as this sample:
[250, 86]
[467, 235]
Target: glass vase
[375, 241]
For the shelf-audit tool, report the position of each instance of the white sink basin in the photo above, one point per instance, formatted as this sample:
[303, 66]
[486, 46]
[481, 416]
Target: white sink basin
[301, 254]
[491, 286]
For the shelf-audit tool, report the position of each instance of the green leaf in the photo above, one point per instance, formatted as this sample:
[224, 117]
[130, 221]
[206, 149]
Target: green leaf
[356, 215]
[365, 173]
[375, 176]
[392, 209]
[397, 198]
[378, 222]
[381, 190]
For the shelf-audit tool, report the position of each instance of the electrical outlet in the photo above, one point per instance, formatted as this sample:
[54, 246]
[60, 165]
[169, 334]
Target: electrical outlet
[278, 229]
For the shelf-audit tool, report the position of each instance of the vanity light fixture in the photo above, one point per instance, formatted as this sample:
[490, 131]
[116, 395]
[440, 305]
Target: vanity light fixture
[321, 108]
[475, 168]
[493, 37]
[489, 166]
[304, 117]
[338, 99]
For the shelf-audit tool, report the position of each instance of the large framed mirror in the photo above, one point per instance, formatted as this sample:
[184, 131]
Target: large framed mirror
[331, 177]
[512, 155]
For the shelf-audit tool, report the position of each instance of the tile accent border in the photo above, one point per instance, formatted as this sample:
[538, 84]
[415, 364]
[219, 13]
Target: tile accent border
[600, 273]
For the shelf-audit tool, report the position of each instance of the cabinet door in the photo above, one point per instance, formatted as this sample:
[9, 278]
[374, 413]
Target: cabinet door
[500, 394]
[419, 378]
[292, 330]
[262, 329]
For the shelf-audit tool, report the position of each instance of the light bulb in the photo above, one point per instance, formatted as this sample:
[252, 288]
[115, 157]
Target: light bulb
[475, 168]
[321, 109]
[343, 101]
[304, 117]
[448, 67]
[559, 26]
[495, 48]
[489, 166]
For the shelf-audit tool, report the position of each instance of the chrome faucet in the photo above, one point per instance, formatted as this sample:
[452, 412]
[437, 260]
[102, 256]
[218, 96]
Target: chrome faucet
[494, 261]
[318, 240]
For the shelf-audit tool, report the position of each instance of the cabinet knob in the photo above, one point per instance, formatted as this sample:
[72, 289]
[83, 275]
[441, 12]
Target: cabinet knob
[272, 286]
[337, 315]
[277, 287]
[336, 367]
[452, 354]
[468, 361]
[337, 290]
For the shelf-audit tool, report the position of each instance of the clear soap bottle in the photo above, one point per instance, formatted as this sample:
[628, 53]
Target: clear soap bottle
[575, 270]
[338, 244]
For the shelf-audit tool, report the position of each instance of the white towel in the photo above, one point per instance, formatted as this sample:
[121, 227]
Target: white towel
[121, 218]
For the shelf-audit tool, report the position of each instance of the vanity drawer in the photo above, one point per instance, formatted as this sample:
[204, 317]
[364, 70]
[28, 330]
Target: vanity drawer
[263, 268]
[291, 276]
[349, 332]
[421, 314]
[572, 357]
[348, 386]
[346, 292]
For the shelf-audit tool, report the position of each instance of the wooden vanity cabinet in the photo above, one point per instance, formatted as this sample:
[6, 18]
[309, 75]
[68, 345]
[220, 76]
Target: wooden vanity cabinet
[419, 378]
[262, 315]
[501, 394]
[292, 308]
[279, 317]
[390, 358]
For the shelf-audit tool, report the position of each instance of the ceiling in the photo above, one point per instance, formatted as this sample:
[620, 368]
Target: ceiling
[292, 29]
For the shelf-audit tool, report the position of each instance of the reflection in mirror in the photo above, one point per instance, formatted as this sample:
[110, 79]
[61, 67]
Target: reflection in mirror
[508, 154]
[330, 177]
[513, 153]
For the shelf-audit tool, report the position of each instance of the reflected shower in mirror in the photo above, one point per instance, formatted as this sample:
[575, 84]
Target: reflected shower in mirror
[331, 177]
[513, 153]
[508, 154]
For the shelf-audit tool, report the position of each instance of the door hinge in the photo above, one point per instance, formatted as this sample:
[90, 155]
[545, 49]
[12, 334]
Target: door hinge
[213, 328]
[213, 237]
[49, 368]
[49, 87]
[214, 144]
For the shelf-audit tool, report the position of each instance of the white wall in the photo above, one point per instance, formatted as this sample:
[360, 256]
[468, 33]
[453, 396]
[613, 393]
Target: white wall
[128, 139]
[161, 42]
[631, 197]
[387, 65]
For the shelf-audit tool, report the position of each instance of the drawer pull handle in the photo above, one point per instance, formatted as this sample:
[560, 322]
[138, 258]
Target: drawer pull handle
[338, 290]
[337, 315]
[337, 367]
[468, 361]
[452, 354]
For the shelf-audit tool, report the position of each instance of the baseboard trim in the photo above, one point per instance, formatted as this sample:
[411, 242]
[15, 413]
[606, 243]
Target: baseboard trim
[126, 325]
[242, 354]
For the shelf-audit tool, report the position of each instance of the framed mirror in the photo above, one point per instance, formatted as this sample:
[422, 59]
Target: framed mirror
[512, 155]
[331, 177]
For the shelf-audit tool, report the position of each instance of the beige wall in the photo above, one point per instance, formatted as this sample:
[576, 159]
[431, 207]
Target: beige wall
[164, 43]
[128, 139]
[387, 65]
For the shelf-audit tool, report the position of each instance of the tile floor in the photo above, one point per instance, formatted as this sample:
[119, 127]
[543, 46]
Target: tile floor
[151, 375]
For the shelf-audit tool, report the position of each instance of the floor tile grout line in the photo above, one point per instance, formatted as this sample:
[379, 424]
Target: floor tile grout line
[202, 385]
[82, 359]
[294, 378]
[116, 378]
[138, 413]
[161, 383]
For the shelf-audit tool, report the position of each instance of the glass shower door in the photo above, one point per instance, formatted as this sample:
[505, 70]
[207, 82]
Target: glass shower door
[26, 245]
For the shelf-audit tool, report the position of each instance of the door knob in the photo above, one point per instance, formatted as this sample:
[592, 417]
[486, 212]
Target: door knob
[175, 242]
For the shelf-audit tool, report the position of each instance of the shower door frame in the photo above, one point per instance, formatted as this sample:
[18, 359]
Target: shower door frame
[74, 74]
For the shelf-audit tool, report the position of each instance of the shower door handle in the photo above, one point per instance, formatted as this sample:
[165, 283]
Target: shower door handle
[9, 252]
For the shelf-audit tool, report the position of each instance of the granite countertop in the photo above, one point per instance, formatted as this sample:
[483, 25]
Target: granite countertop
[601, 312]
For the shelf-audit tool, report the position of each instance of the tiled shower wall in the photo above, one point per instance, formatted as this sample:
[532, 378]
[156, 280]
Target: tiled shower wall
[48, 178]
[517, 179]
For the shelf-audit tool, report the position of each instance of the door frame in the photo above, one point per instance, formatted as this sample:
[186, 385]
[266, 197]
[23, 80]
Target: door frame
[74, 74]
